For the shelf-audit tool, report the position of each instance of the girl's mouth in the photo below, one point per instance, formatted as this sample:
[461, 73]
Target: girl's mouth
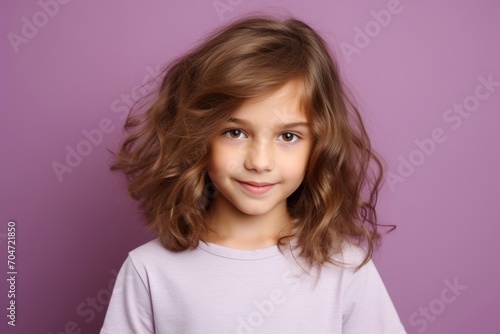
[256, 188]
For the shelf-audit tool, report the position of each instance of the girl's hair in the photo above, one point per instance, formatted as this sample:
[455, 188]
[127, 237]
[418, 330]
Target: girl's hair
[166, 153]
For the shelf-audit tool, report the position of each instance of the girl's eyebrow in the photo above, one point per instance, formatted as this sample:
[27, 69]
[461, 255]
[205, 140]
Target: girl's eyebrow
[281, 125]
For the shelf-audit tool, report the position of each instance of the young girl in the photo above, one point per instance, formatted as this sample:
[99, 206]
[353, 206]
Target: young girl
[255, 170]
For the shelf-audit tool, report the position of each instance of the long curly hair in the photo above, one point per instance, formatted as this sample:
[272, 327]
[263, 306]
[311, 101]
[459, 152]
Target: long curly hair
[166, 152]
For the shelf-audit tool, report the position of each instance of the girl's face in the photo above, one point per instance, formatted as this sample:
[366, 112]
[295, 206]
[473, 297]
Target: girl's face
[260, 156]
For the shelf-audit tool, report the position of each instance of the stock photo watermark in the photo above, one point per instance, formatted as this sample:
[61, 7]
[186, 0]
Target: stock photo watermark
[30, 26]
[452, 117]
[94, 137]
[429, 313]
[11, 272]
[87, 310]
[373, 28]
[265, 308]
[222, 7]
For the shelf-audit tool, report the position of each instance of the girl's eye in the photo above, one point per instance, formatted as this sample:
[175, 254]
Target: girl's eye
[235, 134]
[289, 137]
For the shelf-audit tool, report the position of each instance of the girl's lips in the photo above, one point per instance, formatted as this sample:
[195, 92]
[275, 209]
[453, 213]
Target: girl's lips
[256, 188]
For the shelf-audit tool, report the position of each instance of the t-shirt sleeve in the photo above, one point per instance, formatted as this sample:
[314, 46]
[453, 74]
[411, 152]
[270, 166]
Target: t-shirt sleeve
[130, 309]
[368, 307]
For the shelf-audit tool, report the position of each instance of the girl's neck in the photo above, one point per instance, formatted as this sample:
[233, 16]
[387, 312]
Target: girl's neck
[235, 229]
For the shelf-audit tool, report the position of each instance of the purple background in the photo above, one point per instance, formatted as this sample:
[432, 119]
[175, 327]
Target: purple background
[77, 69]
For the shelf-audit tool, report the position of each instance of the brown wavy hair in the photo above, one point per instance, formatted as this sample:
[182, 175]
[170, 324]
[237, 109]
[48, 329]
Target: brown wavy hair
[166, 153]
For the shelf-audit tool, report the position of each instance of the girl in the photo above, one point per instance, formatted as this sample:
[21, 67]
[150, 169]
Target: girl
[251, 166]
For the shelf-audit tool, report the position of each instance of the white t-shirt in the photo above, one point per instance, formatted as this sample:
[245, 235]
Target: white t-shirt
[220, 290]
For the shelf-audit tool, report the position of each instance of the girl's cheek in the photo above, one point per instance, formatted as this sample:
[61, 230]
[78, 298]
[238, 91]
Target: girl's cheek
[232, 166]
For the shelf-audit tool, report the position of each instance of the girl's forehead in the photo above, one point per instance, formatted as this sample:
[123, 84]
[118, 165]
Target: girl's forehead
[284, 103]
[274, 114]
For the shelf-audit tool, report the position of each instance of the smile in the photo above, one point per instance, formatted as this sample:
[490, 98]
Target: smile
[256, 188]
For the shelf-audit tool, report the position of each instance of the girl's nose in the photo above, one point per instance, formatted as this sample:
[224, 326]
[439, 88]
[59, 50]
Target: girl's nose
[259, 157]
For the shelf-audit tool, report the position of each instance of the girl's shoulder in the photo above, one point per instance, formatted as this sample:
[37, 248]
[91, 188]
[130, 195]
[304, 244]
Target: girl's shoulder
[151, 247]
[152, 261]
[352, 255]
[151, 254]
